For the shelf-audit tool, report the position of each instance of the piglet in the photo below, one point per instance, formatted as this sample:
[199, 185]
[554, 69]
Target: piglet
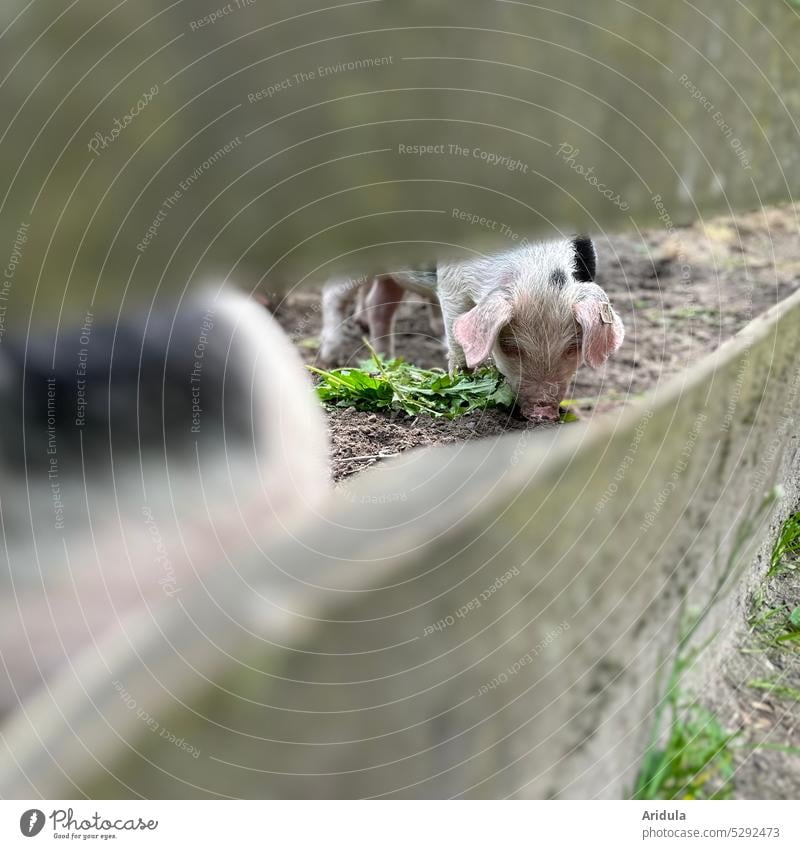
[536, 311]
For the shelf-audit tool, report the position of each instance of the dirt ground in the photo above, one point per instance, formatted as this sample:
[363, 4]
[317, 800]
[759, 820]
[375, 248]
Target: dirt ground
[681, 293]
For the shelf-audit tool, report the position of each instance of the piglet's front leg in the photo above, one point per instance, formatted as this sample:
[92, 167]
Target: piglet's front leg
[456, 358]
[456, 361]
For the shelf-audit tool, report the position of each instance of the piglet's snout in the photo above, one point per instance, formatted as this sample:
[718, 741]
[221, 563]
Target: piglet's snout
[543, 403]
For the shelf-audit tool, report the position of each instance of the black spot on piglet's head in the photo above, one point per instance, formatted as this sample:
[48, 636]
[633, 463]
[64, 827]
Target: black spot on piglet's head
[558, 279]
[585, 259]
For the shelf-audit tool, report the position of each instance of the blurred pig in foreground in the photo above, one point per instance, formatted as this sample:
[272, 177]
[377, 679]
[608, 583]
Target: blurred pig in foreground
[133, 455]
[535, 310]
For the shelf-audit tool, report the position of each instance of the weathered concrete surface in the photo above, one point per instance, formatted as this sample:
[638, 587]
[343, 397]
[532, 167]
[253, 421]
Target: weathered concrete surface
[336, 664]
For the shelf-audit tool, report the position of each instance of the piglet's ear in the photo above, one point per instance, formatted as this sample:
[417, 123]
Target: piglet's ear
[476, 331]
[603, 331]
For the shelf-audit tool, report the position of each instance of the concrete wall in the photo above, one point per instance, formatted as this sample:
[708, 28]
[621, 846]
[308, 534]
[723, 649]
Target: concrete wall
[485, 619]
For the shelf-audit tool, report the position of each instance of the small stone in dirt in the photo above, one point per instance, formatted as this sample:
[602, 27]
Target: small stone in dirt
[372, 418]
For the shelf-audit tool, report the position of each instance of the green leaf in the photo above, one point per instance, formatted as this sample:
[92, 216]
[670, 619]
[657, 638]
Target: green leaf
[503, 396]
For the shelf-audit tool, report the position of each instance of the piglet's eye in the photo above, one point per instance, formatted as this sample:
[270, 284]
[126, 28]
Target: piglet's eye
[572, 348]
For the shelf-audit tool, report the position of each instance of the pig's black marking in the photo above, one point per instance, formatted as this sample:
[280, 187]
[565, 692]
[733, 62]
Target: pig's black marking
[558, 279]
[585, 259]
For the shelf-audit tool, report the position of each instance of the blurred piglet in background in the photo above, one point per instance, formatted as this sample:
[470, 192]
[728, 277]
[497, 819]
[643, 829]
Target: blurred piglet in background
[137, 456]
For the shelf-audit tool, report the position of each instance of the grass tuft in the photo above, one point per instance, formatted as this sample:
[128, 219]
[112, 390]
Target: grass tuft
[696, 761]
[776, 626]
[786, 546]
[776, 688]
[774, 621]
